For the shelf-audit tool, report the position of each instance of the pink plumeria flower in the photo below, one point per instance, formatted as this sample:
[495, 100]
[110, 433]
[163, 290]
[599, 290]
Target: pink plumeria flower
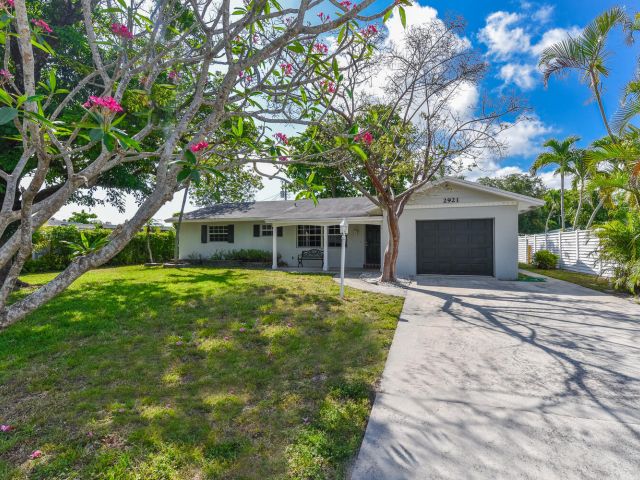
[282, 138]
[369, 31]
[44, 26]
[283, 158]
[121, 31]
[242, 329]
[287, 69]
[7, 4]
[323, 17]
[174, 76]
[321, 48]
[347, 5]
[198, 146]
[107, 104]
[329, 86]
[35, 454]
[365, 138]
[5, 75]
[5, 428]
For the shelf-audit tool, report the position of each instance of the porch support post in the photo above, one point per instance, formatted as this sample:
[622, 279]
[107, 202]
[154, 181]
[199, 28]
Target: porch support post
[325, 260]
[343, 234]
[274, 249]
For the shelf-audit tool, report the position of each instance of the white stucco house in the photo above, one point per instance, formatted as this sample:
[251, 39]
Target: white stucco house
[449, 227]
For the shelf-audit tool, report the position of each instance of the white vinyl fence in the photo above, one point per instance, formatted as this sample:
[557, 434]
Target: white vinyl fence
[577, 250]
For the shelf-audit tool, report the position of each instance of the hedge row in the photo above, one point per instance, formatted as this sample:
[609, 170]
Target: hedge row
[53, 254]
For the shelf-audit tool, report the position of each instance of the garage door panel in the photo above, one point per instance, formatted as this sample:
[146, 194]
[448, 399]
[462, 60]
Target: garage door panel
[455, 247]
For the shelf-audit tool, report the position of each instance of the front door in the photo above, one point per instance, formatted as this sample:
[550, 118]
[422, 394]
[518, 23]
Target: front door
[372, 246]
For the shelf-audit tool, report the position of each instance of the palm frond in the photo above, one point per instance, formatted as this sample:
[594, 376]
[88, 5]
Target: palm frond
[625, 113]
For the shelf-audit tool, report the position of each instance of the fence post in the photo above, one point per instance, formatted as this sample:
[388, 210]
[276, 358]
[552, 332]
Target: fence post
[560, 262]
[577, 248]
[535, 243]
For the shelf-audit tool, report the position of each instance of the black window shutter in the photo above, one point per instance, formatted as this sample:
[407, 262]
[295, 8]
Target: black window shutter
[203, 233]
[230, 237]
[280, 231]
[256, 230]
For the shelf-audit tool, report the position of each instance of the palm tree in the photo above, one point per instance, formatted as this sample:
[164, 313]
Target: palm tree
[586, 53]
[581, 169]
[552, 200]
[561, 154]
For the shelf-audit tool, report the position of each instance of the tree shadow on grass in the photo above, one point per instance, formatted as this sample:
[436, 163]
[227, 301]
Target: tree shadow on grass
[207, 372]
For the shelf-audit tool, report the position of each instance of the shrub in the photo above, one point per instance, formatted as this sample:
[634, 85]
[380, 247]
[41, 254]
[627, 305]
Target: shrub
[545, 259]
[620, 249]
[243, 255]
[54, 247]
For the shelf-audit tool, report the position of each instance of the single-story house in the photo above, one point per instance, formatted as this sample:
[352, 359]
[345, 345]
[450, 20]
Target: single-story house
[450, 226]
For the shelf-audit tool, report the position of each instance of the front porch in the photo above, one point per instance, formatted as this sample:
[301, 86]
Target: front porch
[358, 249]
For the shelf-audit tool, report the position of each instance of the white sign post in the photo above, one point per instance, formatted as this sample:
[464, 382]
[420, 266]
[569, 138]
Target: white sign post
[344, 229]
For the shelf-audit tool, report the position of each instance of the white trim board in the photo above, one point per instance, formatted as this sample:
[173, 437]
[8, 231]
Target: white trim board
[461, 205]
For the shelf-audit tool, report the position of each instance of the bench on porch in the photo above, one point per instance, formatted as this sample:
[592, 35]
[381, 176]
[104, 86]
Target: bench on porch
[314, 254]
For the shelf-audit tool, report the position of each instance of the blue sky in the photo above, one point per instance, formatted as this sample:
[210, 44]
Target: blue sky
[510, 35]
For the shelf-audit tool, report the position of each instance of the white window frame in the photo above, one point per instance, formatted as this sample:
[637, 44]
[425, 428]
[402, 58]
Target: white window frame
[335, 237]
[304, 233]
[266, 230]
[218, 233]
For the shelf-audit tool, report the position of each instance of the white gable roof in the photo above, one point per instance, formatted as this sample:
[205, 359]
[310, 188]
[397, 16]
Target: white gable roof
[525, 203]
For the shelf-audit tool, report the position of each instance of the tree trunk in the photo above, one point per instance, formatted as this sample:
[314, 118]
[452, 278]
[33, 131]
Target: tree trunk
[595, 212]
[575, 219]
[596, 92]
[546, 224]
[391, 252]
[176, 251]
[149, 244]
[562, 200]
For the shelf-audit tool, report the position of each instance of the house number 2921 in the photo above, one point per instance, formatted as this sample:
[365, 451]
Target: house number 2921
[450, 200]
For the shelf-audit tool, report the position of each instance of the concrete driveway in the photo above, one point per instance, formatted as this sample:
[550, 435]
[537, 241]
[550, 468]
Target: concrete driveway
[488, 379]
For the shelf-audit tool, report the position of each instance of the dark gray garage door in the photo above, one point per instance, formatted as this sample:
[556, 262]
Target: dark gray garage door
[455, 247]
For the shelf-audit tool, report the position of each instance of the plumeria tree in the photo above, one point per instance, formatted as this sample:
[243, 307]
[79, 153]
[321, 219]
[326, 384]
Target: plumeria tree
[413, 130]
[166, 77]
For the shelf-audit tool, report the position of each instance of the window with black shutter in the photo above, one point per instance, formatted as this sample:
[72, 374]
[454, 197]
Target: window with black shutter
[256, 230]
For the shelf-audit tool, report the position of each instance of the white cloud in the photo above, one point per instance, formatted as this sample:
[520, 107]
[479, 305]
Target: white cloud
[552, 36]
[416, 15]
[523, 139]
[502, 38]
[465, 97]
[543, 14]
[525, 136]
[522, 75]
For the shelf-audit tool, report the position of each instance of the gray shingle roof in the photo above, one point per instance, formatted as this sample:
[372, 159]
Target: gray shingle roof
[288, 210]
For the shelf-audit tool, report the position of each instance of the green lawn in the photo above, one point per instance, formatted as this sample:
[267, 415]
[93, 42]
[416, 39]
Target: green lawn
[583, 279]
[194, 373]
